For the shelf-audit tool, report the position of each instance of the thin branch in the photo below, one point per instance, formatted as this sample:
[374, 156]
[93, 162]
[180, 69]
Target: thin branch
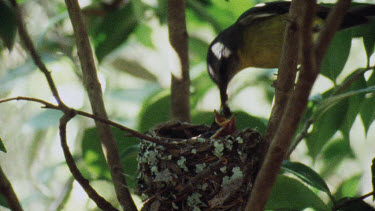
[100, 201]
[92, 116]
[95, 94]
[34, 55]
[180, 84]
[347, 83]
[300, 136]
[7, 191]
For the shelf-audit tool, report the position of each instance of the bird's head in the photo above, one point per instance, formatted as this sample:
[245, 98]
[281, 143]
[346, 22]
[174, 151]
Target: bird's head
[222, 60]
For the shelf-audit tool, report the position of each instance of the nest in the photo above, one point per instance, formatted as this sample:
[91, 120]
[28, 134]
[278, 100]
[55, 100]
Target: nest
[193, 168]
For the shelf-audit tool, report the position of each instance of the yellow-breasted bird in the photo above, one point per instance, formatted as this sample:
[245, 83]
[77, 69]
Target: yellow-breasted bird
[256, 38]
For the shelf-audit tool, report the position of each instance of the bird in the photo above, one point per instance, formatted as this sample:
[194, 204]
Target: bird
[256, 39]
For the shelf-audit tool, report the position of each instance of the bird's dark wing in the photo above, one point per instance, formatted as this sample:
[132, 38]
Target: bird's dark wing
[262, 11]
[355, 16]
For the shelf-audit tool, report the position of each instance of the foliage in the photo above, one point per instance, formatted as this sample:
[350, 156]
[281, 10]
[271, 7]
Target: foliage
[8, 24]
[131, 47]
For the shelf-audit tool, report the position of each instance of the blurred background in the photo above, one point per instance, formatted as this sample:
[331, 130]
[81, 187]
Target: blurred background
[131, 45]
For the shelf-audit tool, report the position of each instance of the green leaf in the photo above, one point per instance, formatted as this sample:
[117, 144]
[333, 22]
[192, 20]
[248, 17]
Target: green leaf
[2, 146]
[348, 188]
[139, 8]
[334, 154]
[325, 127]
[337, 55]
[137, 95]
[367, 111]
[95, 163]
[329, 117]
[329, 102]
[110, 32]
[306, 174]
[245, 120]
[291, 194]
[93, 156]
[373, 177]
[201, 117]
[45, 119]
[133, 68]
[129, 156]
[367, 32]
[143, 34]
[8, 24]
[3, 201]
[198, 11]
[155, 110]
[197, 50]
[161, 11]
[358, 89]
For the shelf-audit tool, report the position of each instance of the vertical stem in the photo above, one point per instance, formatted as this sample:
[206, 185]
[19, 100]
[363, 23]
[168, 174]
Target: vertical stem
[311, 56]
[178, 37]
[305, 10]
[94, 91]
[286, 77]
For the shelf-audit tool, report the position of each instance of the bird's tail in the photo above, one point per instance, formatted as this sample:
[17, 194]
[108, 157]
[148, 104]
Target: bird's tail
[358, 15]
[366, 10]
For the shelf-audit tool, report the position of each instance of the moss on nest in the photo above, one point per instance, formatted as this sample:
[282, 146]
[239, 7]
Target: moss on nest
[193, 171]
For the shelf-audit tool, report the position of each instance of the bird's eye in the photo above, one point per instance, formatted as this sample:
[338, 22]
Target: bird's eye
[317, 28]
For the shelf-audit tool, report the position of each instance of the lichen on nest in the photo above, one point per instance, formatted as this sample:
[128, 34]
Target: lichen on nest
[195, 170]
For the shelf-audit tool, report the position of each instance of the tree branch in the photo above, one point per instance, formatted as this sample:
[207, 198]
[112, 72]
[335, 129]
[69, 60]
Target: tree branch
[286, 77]
[61, 106]
[92, 116]
[298, 101]
[347, 83]
[180, 84]
[7, 191]
[34, 55]
[94, 91]
[156, 140]
[100, 201]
